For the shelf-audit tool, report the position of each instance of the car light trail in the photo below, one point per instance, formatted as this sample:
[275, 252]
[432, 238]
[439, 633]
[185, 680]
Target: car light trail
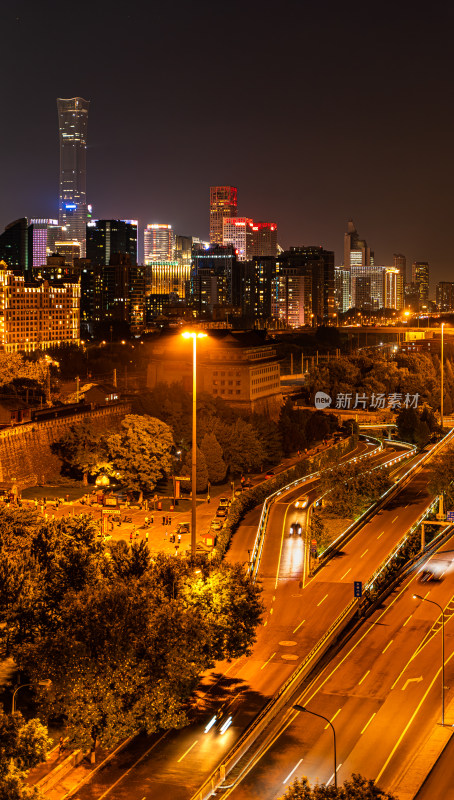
[226, 725]
[291, 773]
[210, 724]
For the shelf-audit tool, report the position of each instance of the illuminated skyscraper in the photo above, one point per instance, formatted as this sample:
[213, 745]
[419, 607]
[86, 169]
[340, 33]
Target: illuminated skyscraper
[264, 239]
[223, 203]
[42, 235]
[359, 258]
[72, 206]
[159, 243]
[420, 277]
[238, 231]
[108, 237]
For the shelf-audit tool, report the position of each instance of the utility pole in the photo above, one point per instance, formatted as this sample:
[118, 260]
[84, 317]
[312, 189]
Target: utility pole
[115, 377]
[77, 388]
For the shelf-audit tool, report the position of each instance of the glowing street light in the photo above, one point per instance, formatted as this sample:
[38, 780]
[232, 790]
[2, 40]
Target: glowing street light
[194, 336]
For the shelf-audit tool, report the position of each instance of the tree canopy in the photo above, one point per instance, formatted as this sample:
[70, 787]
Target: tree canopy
[141, 451]
[23, 745]
[357, 788]
[123, 638]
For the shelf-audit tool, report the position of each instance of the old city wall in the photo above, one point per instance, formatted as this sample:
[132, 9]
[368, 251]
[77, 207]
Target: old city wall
[26, 456]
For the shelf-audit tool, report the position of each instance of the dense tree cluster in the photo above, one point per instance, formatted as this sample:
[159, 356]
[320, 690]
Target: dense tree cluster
[138, 451]
[123, 638]
[350, 489]
[229, 442]
[23, 745]
[442, 476]
[366, 374]
[357, 788]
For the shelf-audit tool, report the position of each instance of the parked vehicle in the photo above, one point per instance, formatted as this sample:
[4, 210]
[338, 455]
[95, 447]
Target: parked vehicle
[224, 502]
[216, 525]
[221, 512]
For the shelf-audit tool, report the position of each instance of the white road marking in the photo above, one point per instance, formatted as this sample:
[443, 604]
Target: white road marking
[411, 680]
[333, 718]
[381, 534]
[368, 723]
[388, 645]
[343, 576]
[267, 662]
[271, 610]
[299, 626]
[364, 677]
[321, 601]
[291, 773]
[332, 776]
[364, 552]
[407, 620]
[392, 523]
[188, 750]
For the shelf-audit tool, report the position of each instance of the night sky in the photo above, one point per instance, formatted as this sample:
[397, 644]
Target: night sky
[316, 111]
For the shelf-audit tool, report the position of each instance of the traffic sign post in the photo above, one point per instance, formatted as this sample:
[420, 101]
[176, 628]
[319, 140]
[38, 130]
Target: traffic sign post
[357, 588]
[450, 516]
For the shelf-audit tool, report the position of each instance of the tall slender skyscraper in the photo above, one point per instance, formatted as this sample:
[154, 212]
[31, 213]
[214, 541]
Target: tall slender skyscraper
[223, 203]
[72, 206]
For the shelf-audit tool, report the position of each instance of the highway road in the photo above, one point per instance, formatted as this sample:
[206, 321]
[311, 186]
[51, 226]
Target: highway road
[382, 692]
[294, 621]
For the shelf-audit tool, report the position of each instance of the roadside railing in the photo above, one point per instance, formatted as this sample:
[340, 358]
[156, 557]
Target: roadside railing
[256, 553]
[278, 701]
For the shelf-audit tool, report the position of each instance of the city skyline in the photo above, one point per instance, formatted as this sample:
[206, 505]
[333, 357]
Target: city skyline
[392, 179]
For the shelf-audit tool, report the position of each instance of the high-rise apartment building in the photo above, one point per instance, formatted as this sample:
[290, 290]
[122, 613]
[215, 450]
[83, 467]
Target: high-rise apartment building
[69, 251]
[356, 251]
[445, 296]
[107, 237]
[318, 265]
[165, 277]
[258, 277]
[159, 243]
[72, 207]
[393, 288]
[14, 244]
[42, 235]
[264, 239]
[223, 203]
[420, 277]
[238, 232]
[400, 263]
[291, 297]
[36, 314]
[342, 289]
[222, 262]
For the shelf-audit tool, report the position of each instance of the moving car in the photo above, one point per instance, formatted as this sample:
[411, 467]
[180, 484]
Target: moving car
[437, 566]
[302, 501]
[270, 473]
[295, 528]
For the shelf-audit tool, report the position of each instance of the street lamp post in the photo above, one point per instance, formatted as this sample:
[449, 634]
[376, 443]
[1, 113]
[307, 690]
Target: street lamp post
[303, 708]
[442, 375]
[194, 336]
[23, 686]
[434, 603]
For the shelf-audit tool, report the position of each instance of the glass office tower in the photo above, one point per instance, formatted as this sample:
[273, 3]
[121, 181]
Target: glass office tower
[72, 207]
